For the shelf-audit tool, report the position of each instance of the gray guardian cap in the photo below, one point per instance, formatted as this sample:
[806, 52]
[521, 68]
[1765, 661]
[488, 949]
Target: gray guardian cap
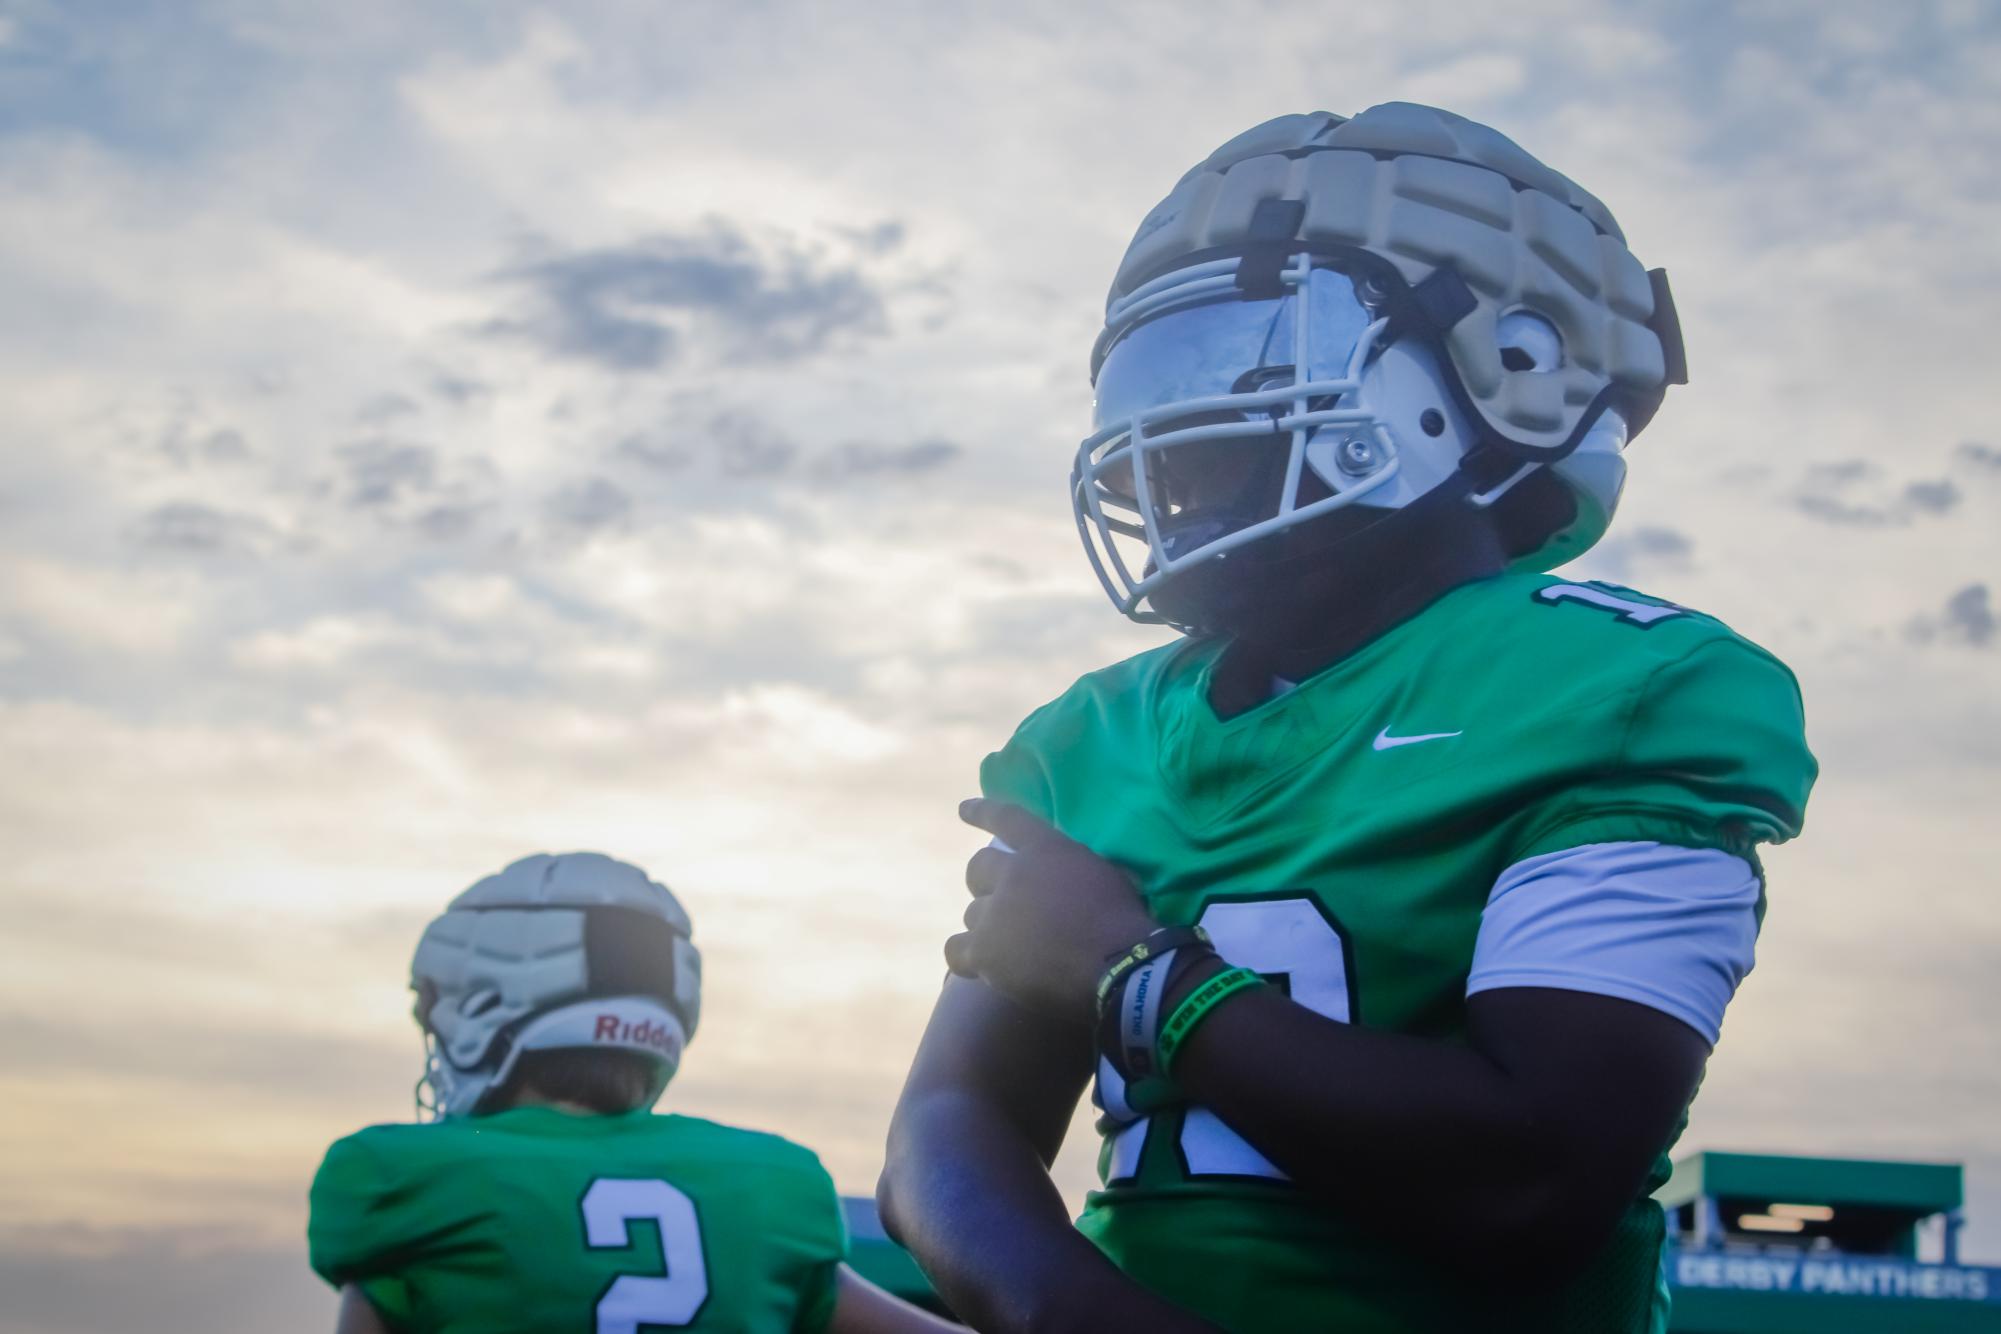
[570, 951]
[1382, 306]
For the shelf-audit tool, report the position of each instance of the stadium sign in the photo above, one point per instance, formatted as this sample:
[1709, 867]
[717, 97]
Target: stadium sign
[1836, 1276]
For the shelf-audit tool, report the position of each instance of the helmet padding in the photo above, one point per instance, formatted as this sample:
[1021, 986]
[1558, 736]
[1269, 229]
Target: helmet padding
[553, 936]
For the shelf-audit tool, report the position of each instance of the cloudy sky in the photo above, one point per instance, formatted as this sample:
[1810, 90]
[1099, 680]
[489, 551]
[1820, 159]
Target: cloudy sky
[430, 434]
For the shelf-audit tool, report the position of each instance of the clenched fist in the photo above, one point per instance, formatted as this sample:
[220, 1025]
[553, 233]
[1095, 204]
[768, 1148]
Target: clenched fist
[1047, 913]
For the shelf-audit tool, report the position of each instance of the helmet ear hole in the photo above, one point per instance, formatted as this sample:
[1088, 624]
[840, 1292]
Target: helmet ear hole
[479, 1002]
[1432, 422]
[1528, 342]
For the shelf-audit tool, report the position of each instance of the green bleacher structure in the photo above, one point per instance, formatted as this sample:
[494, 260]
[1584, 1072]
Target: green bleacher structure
[1772, 1244]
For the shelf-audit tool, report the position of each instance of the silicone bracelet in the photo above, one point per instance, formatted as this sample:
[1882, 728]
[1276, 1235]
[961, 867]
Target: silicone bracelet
[1136, 1018]
[1196, 1006]
[1157, 942]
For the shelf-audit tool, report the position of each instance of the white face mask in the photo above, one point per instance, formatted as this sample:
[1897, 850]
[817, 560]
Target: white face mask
[1223, 419]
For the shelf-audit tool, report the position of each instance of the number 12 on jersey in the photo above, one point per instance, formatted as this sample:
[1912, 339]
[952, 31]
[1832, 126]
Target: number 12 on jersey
[1289, 940]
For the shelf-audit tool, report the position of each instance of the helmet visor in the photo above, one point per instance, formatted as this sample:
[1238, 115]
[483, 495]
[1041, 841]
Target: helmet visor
[1231, 345]
[1208, 402]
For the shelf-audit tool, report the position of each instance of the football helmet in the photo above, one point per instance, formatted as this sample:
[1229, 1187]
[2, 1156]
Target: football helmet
[1329, 320]
[569, 951]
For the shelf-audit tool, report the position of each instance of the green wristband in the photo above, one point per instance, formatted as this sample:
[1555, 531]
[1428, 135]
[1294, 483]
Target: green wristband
[1196, 1006]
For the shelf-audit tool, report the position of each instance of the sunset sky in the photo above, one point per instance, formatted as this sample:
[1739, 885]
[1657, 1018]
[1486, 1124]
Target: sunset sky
[435, 433]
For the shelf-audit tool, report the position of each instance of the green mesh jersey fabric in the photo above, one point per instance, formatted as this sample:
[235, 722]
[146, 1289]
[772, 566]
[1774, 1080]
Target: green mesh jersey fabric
[537, 1220]
[1342, 838]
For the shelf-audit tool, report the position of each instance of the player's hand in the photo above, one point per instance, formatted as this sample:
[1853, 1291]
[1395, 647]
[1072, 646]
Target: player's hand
[1046, 916]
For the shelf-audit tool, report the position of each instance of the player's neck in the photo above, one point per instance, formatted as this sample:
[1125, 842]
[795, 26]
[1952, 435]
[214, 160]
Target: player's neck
[1368, 602]
[1350, 607]
[528, 1097]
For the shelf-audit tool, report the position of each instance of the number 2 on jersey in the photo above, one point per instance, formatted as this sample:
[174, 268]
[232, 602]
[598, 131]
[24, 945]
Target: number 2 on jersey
[1285, 939]
[634, 1301]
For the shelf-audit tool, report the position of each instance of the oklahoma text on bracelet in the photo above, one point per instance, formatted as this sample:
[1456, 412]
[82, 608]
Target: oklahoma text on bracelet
[1139, 1014]
[1196, 1006]
[1166, 938]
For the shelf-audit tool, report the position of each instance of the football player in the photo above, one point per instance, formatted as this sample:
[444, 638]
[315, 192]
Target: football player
[544, 1194]
[1395, 906]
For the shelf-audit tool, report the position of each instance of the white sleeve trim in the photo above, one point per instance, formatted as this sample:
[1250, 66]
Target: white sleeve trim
[1674, 929]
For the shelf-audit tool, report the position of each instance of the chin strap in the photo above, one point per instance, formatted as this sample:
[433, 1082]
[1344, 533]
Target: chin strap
[1493, 477]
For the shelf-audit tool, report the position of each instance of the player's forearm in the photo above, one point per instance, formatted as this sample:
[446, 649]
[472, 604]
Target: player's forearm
[1344, 1109]
[968, 1195]
[1437, 1140]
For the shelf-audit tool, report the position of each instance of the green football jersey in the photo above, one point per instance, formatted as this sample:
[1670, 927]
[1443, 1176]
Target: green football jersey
[1342, 838]
[536, 1219]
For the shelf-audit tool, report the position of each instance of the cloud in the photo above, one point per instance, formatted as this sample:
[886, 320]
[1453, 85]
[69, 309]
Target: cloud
[1839, 472]
[1479, 77]
[1979, 455]
[380, 473]
[857, 460]
[460, 390]
[414, 485]
[188, 527]
[593, 505]
[1966, 619]
[804, 728]
[748, 446]
[385, 408]
[745, 445]
[187, 447]
[1937, 497]
[632, 307]
[654, 452]
[1663, 544]
[171, 1280]
[878, 239]
[321, 643]
[1825, 496]
[135, 614]
[276, 1059]
[1969, 616]
[448, 520]
[1844, 514]
[1645, 550]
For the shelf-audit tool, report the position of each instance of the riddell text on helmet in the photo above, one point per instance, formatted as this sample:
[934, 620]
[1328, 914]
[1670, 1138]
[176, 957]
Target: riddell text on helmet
[645, 1033]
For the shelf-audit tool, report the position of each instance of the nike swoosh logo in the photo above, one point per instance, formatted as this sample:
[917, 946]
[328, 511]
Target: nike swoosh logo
[1384, 741]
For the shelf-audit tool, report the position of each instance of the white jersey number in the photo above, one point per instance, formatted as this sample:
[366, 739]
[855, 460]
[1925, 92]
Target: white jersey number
[1633, 613]
[633, 1301]
[1289, 941]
